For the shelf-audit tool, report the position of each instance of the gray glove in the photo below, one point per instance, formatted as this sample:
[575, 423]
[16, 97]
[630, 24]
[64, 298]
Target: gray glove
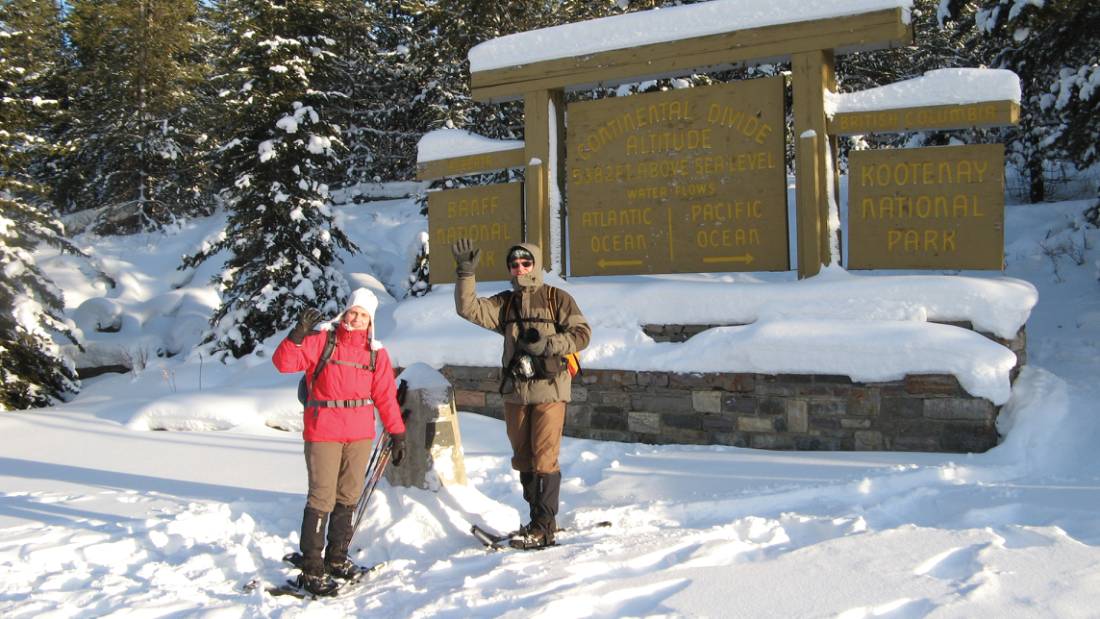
[466, 256]
[309, 319]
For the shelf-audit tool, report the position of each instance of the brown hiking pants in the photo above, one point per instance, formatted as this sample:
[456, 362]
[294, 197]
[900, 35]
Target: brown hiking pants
[535, 432]
[336, 472]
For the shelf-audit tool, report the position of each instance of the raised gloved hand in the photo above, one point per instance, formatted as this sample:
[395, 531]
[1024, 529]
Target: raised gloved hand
[306, 321]
[533, 342]
[397, 448]
[466, 256]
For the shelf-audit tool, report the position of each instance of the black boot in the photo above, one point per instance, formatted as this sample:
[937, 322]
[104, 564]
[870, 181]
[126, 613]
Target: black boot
[530, 494]
[540, 533]
[313, 578]
[339, 539]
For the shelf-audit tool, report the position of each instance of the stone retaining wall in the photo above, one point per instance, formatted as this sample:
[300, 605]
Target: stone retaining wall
[805, 412]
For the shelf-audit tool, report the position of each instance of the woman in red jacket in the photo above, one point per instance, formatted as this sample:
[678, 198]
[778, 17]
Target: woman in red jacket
[339, 425]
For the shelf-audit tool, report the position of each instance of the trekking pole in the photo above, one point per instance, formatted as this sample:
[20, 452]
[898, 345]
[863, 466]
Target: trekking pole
[380, 457]
[372, 482]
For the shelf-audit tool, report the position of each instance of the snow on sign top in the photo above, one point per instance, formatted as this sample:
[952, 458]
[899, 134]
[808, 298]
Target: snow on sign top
[449, 143]
[939, 87]
[660, 26]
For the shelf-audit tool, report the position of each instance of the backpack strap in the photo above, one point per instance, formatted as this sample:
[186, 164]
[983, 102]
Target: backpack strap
[373, 355]
[326, 352]
[551, 298]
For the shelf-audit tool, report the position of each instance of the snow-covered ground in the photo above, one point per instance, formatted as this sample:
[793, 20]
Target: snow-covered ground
[101, 515]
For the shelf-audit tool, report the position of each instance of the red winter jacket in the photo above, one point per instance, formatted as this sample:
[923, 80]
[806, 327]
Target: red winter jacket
[343, 382]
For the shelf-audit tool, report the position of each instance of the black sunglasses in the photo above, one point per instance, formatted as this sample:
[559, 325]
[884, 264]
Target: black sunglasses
[516, 263]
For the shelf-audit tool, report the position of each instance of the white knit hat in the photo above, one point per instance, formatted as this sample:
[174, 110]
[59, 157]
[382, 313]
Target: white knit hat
[365, 299]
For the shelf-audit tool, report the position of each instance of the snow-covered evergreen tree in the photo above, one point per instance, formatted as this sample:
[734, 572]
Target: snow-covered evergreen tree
[135, 136]
[279, 156]
[33, 370]
[1054, 47]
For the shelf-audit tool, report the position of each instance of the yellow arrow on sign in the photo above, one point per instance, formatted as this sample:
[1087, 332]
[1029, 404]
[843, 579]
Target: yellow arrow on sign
[603, 264]
[746, 258]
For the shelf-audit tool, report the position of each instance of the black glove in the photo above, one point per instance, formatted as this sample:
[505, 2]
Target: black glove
[309, 319]
[533, 342]
[397, 448]
[466, 256]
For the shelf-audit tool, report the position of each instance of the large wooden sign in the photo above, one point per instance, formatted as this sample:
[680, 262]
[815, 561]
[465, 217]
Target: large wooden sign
[683, 181]
[926, 208]
[492, 216]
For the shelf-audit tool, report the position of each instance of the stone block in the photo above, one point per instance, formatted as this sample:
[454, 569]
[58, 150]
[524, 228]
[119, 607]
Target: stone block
[693, 380]
[772, 385]
[488, 386]
[821, 407]
[798, 416]
[610, 435]
[964, 439]
[608, 418]
[738, 383]
[960, 409]
[771, 406]
[826, 385]
[578, 393]
[832, 379]
[662, 403]
[867, 440]
[913, 443]
[473, 373]
[756, 424]
[852, 423]
[652, 379]
[684, 421]
[742, 404]
[684, 436]
[609, 398]
[620, 378]
[466, 397]
[816, 443]
[864, 401]
[824, 423]
[772, 441]
[578, 416]
[718, 423]
[706, 401]
[901, 406]
[643, 422]
[933, 384]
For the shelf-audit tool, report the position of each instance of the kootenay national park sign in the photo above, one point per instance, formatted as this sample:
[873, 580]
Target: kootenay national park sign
[683, 181]
[926, 208]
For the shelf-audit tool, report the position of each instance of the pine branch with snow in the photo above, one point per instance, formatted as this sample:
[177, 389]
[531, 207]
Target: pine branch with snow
[279, 156]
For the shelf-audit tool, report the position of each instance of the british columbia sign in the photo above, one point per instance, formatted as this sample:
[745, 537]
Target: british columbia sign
[930, 208]
[688, 180]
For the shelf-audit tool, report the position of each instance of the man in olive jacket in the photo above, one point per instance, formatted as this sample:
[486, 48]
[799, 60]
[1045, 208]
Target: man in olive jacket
[541, 325]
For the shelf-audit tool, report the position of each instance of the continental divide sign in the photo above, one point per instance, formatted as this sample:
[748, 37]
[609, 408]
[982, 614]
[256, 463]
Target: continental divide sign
[684, 181]
[932, 208]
